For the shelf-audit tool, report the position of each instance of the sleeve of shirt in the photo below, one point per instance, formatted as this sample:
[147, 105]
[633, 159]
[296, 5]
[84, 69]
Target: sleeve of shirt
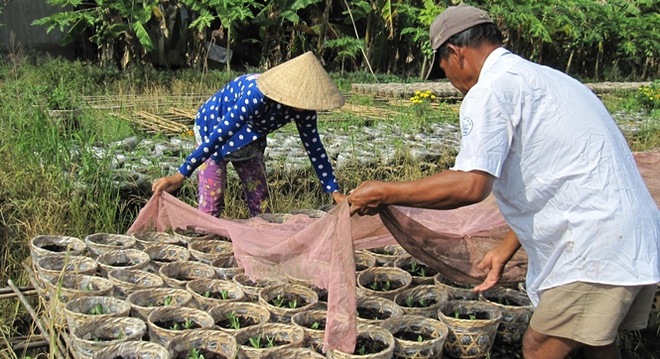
[233, 120]
[309, 135]
[487, 131]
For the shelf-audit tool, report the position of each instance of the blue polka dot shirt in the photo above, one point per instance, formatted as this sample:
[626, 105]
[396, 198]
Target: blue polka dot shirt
[239, 114]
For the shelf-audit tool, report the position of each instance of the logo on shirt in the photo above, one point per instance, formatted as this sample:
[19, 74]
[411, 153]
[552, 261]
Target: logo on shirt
[466, 126]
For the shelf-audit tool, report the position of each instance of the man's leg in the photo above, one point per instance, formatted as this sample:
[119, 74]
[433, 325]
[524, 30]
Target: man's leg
[252, 173]
[582, 314]
[211, 187]
[540, 346]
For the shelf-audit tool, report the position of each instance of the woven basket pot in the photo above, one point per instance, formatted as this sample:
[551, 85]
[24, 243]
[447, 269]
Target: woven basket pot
[161, 254]
[234, 316]
[423, 300]
[364, 260]
[72, 286]
[467, 337]
[374, 310]
[226, 267]
[144, 240]
[285, 300]
[312, 323]
[178, 274]
[270, 336]
[165, 323]
[144, 301]
[122, 259]
[99, 243]
[188, 235]
[420, 272]
[516, 309]
[377, 341]
[297, 353]
[86, 309]
[52, 267]
[417, 337]
[207, 342]
[386, 256]
[384, 282]
[45, 245]
[457, 291]
[208, 293]
[133, 350]
[91, 337]
[127, 281]
[208, 250]
[252, 287]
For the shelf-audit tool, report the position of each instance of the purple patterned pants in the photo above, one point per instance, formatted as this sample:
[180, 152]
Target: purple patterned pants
[213, 183]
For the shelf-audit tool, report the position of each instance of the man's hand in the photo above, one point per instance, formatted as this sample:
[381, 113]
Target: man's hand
[495, 266]
[168, 184]
[495, 260]
[368, 198]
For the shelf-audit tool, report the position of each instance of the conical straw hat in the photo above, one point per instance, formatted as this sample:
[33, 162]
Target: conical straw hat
[301, 82]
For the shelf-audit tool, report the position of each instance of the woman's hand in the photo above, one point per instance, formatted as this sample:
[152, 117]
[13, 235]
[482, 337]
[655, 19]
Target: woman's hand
[338, 196]
[168, 184]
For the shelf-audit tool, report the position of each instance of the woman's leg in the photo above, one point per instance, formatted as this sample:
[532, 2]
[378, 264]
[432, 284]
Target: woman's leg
[252, 173]
[212, 184]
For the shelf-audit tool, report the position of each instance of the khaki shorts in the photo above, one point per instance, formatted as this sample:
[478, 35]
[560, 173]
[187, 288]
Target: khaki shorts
[592, 313]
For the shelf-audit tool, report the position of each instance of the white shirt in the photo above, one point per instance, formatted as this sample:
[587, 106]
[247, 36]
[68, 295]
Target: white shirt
[567, 183]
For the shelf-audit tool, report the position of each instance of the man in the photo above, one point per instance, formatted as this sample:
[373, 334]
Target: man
[565, 182]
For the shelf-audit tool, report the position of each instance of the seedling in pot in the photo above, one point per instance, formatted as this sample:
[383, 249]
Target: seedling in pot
[293, 304]
[278, 301]
[255, 341]
[195, 354]
[233, 320]
[97, 309]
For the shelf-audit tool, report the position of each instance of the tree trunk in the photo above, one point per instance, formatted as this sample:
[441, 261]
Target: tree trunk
[323, 26]
[229, 40]
[570, 60]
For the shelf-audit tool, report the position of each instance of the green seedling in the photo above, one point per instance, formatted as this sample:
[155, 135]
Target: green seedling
[271, 341]
[422, 271]
[167, 300]
[175, 326]
[207, 294]
[410, 300]
[420, 338]
[224, 293]
[422, 301]
[362, 350]
[255, 341]
[97, 309]
[195, 353]
[233, 320]
[315, 325]
[293, 304]
[188, 324]
[278, 301]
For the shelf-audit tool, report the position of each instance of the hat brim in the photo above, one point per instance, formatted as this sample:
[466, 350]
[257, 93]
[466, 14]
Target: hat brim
[435, 72]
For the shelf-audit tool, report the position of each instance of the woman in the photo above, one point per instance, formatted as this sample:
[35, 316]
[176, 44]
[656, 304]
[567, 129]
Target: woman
[245, 111]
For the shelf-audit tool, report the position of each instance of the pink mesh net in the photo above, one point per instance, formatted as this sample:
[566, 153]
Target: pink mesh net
[321, 250]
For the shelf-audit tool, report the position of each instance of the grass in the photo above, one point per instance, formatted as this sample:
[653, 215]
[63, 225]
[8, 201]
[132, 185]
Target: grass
[52, 181]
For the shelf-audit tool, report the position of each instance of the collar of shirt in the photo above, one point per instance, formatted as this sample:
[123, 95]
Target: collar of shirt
[492, 59]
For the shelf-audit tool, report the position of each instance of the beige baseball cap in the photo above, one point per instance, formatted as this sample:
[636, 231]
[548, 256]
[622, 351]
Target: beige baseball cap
[453, 20]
